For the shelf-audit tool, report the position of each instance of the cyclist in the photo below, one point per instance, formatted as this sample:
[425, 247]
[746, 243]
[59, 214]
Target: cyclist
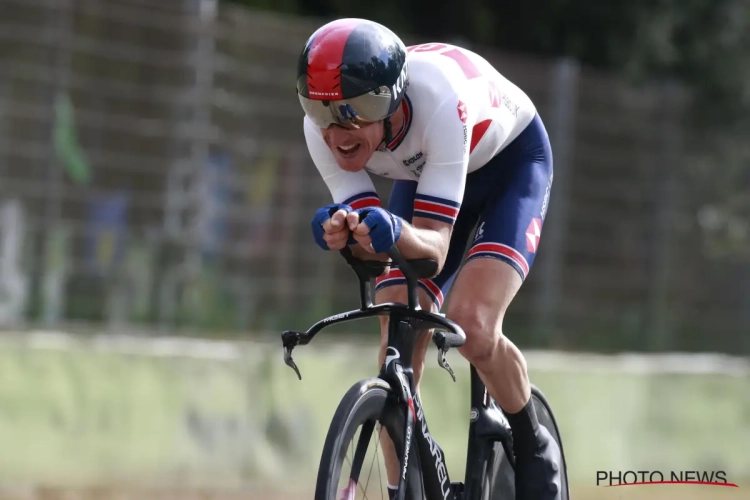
[466, 149]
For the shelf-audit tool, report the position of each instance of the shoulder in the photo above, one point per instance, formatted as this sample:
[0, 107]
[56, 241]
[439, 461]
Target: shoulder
[446, 77]
[311, 131]
[448, 65]
[319, 152]
[314, 139]
[433, 77]
[440, 73]
[435, 85]
[442, 70]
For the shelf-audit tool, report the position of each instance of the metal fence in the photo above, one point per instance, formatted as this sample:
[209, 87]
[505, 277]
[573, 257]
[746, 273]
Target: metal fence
[153, 173]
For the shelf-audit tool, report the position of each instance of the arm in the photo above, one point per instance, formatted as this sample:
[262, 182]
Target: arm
[425, 239]
[354, 189]
[440, 189]
[442, 183]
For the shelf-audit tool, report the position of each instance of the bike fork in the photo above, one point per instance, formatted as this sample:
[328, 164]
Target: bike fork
[397, 371]
[400, 376]
[405, 395]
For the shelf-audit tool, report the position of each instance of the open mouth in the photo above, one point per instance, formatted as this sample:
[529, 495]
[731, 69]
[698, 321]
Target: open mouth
[348, 150]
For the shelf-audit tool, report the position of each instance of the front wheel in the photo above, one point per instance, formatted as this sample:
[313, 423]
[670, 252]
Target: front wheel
[347, 471]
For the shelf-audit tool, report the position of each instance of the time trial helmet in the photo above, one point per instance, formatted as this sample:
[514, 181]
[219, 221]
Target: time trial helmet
[352, 72]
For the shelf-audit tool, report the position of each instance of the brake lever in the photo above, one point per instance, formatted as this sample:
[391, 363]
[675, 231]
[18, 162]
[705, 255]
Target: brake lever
[290, 362]
[439, 340]
[290, 340]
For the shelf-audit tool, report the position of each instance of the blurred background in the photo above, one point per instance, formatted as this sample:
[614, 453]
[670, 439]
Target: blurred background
[155, 198]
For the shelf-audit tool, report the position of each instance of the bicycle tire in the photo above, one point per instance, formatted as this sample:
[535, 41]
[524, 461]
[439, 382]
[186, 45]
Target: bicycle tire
[545, 416]
[499, 482]
[367, 400]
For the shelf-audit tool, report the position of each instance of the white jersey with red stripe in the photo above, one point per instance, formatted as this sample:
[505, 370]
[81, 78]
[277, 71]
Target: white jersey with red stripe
[459, 113]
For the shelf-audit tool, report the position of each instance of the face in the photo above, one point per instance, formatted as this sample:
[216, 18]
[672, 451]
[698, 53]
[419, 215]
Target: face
[353, 147]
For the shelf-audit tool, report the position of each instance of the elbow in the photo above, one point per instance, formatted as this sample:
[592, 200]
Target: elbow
[428, 239]
[439, 256]
[438, 250]
[439, 253]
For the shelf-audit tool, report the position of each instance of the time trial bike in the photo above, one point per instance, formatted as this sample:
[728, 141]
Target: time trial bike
[389, 401]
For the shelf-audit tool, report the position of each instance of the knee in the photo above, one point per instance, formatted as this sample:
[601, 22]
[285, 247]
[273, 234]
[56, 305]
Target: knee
[483, 328]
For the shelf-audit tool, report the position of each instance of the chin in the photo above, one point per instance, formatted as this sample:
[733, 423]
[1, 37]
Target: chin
[354, 164]
[351, 167]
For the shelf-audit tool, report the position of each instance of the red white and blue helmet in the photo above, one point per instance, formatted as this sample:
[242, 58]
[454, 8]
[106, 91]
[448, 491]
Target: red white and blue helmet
[352, 72]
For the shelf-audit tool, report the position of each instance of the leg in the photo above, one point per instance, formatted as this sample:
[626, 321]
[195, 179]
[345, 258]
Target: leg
[483, 291]
[497, 263]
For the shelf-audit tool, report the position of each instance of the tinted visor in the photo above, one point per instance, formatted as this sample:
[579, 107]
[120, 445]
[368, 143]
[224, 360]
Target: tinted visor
[360, 110]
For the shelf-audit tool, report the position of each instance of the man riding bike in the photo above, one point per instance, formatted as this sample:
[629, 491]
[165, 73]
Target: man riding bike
[465, 148]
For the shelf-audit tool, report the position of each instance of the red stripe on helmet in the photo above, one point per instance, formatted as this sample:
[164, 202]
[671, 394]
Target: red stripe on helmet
[325, 58]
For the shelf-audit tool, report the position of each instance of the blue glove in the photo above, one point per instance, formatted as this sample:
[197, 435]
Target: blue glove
[322, 215]
[385, 228]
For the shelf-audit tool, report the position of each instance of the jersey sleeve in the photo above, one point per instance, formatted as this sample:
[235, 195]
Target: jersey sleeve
[352, 188]
[446, 142]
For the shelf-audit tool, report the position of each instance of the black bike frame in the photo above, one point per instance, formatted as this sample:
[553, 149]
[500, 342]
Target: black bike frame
[405, 327]
[486, 426]
[397, 370]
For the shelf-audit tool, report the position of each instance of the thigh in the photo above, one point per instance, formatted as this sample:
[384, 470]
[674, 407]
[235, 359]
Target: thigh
[510, 225]
[509, 230]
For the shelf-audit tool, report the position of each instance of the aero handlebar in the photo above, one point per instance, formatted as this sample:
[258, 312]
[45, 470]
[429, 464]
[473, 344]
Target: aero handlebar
[448, 334]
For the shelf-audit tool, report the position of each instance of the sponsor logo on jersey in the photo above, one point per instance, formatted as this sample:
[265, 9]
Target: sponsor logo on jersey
[376, 172]
[533, 234]
[545, 203]
[495, 94]
[462, 114]
[466, 139]
[512, 106]
[480, 232]
[497, 97]
[418, 169]
[413, 159]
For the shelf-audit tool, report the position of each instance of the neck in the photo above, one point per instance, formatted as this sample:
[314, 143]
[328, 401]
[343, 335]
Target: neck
[397, 119]
[396, 122]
